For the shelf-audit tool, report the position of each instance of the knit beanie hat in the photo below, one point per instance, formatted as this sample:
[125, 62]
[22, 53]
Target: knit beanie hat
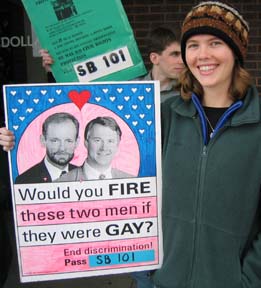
[218, 19]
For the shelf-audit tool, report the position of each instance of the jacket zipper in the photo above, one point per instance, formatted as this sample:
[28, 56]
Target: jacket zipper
[202, 168]
[197, 204]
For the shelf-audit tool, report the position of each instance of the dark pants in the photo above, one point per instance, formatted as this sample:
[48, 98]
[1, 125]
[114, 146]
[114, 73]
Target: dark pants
[143, 279]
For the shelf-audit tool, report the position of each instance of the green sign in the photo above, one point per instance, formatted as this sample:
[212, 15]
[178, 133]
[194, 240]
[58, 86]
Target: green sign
[88, 40]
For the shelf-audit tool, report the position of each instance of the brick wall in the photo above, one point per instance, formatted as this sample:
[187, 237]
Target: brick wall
[144, 15]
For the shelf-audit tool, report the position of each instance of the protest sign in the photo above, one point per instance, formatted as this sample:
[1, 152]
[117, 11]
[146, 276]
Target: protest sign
[69, 228]
[88, 40]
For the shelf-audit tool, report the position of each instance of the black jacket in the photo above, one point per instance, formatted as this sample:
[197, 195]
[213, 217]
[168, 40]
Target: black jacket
[36, 174]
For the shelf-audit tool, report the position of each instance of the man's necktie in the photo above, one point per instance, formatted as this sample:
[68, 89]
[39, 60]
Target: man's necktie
[62, 173]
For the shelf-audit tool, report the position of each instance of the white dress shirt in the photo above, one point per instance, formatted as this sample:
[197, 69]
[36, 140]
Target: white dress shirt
[54, 171]
[93, 174]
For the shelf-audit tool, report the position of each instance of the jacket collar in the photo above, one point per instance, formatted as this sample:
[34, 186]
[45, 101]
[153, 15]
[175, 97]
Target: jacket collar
[248, 113]
[244, 111]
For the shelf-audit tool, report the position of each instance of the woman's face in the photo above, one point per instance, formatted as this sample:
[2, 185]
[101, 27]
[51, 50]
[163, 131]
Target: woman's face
[210, 60]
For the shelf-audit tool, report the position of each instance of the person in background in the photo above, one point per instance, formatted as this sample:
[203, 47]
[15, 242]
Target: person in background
[164, 53]
[211, 138]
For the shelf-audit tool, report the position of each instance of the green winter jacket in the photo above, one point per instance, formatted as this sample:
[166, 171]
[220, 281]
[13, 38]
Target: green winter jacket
[211, 193]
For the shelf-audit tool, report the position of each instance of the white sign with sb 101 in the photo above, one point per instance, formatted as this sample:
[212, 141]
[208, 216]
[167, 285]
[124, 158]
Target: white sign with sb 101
[103, 65]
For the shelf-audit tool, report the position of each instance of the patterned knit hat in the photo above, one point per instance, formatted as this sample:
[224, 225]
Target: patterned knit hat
[218, 19]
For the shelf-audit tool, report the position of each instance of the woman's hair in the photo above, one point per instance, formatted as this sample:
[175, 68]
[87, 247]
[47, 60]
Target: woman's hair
[241, 80]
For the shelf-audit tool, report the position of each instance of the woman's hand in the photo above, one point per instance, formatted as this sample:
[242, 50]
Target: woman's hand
[7, 139]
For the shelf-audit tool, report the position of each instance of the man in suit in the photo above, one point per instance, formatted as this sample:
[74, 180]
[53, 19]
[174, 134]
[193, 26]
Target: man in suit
[60, 138]
[102, 136]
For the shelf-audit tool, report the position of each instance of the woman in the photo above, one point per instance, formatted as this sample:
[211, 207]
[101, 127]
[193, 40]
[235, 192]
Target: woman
[212, 159]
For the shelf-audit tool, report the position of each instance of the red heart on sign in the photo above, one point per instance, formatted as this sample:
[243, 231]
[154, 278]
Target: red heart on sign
[79, 98]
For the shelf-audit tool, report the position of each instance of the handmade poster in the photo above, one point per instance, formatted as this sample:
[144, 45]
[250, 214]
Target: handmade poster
[70, 221]
[88, 40]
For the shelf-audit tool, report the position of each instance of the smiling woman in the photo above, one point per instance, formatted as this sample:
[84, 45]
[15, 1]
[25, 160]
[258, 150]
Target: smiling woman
[211, 61]
[211, 195]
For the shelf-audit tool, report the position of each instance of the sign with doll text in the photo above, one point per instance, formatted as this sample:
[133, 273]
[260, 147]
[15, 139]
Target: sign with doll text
[88, 40]
[86, 178]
